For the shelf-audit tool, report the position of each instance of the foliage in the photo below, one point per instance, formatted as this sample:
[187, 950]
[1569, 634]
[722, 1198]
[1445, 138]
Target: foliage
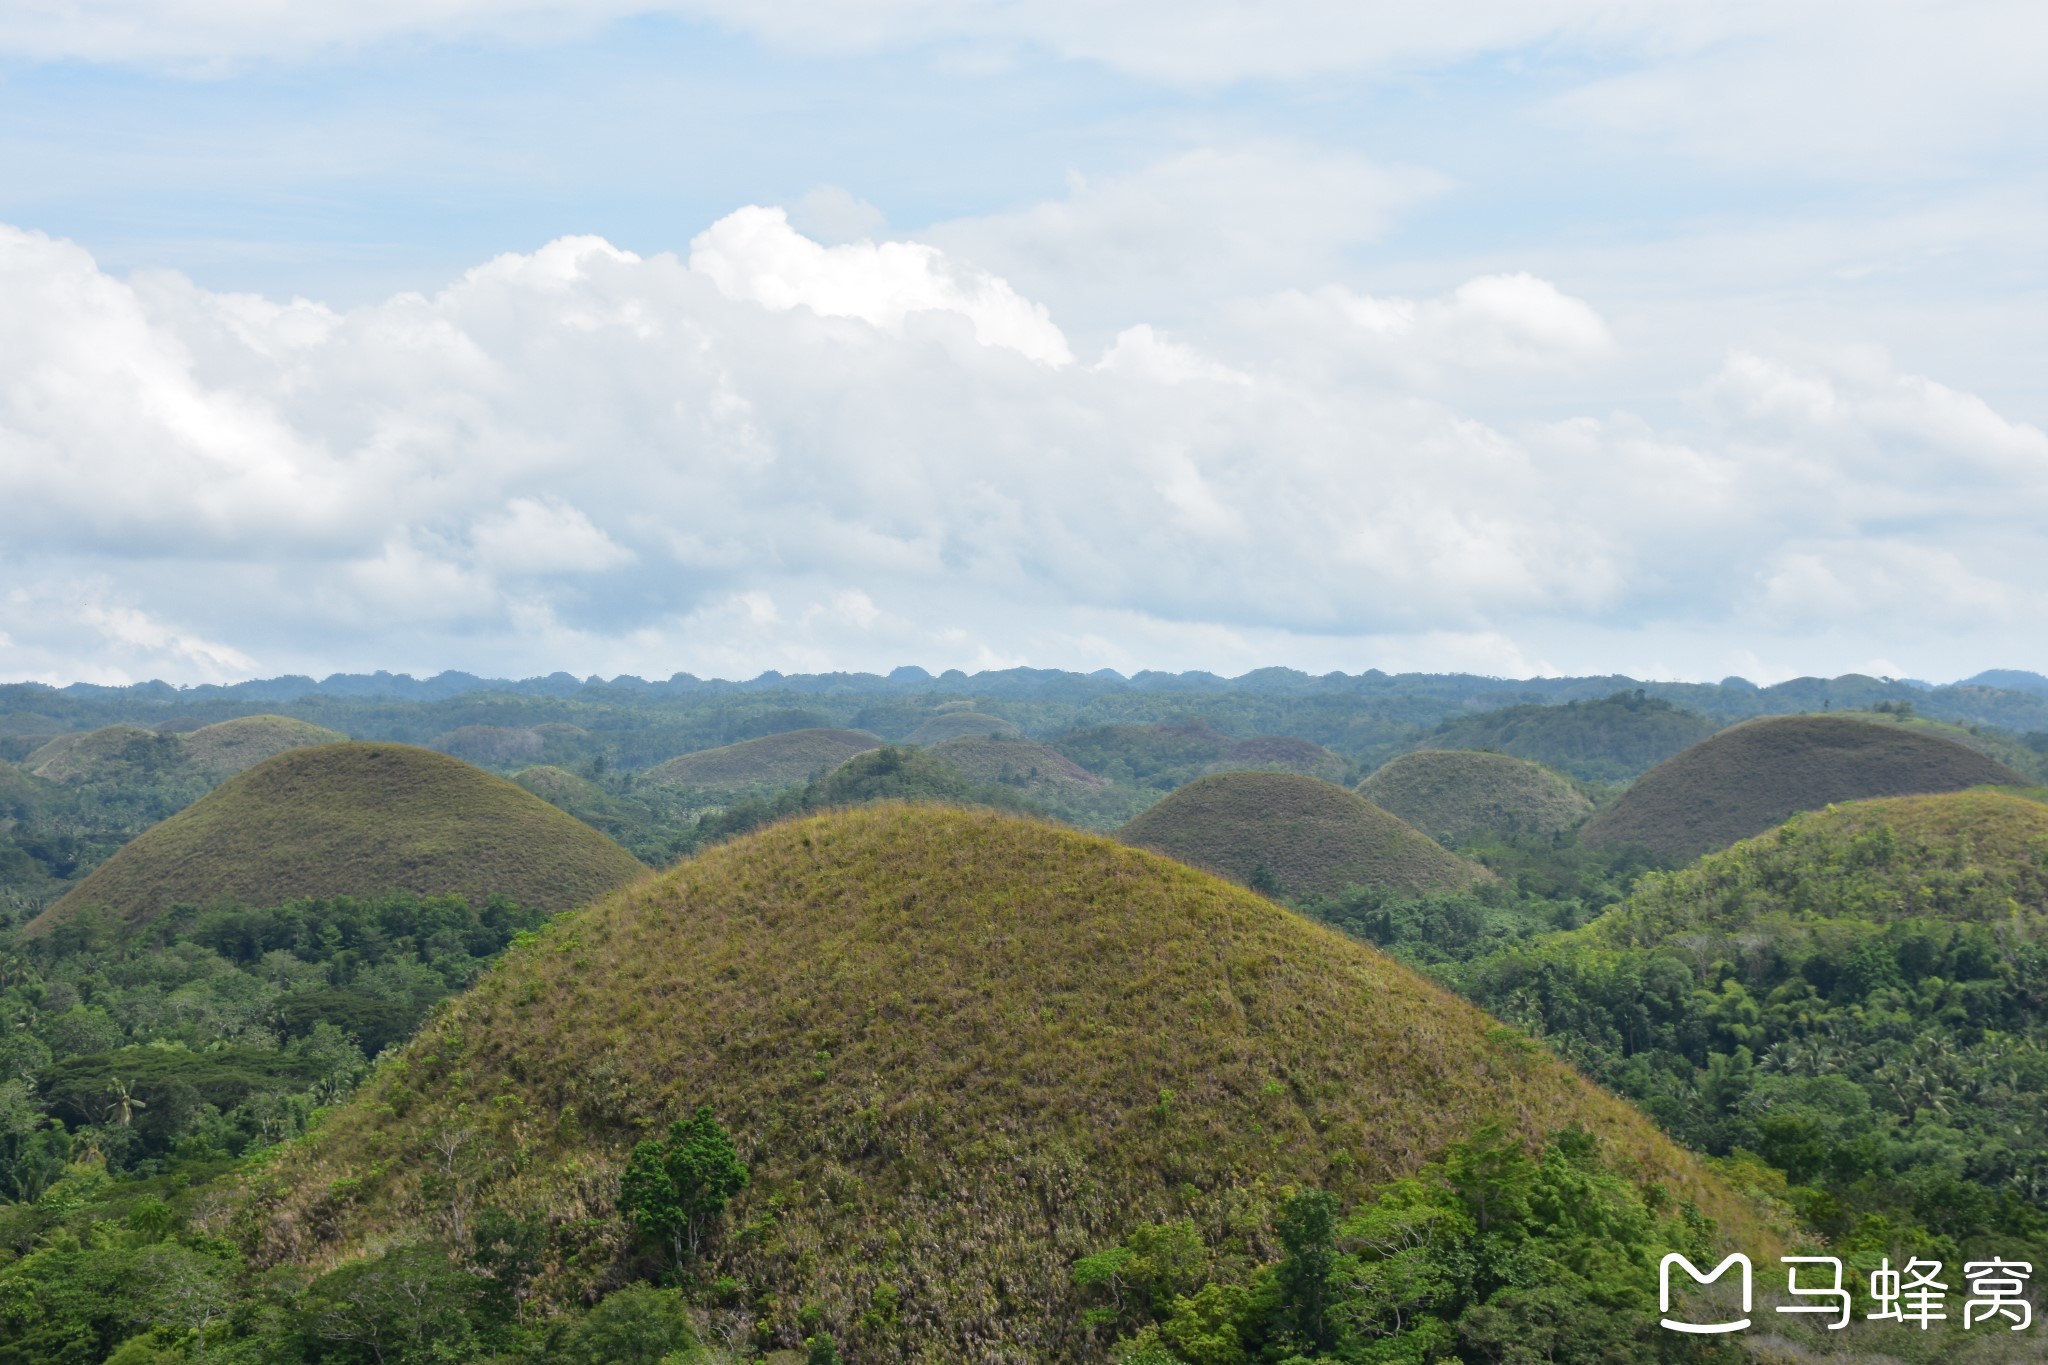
[770, 762]
[676, 1189]
[1610, 740]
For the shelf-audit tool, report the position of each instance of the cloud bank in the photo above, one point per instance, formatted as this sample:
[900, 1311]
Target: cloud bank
[776, 453]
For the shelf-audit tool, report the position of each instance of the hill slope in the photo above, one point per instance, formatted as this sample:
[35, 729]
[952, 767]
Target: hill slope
[220, 751]
[958, 1049]
[110, 751]
[771, 761]
[962, 725]
[355, 819]
[1611, 740]
[1754, 775]
[1301, 835]
[1454, 795]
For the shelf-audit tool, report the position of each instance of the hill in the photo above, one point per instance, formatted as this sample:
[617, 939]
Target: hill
[112, 751]
[962, 725]
[778, 760]
[1283, 754]
[1297, 836]
[1754, 775]
[354, 820]
[1611, 740]
[959, 1051]
[1456, 795]
[220, 751]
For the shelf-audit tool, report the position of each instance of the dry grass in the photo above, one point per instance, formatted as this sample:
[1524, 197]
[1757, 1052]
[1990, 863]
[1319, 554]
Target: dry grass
[962, 725]
[959, 1049]
[772, 761]
[1460, 794]
[233, 746]
[1311, 837]
[1755, 775]
[355, 820]
[82, 757]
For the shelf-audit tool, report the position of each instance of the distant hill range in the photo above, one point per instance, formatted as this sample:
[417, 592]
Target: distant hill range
[354, 819]
[1752, 776]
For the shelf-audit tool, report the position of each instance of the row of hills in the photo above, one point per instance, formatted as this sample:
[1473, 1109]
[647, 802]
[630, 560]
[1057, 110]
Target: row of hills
[967, 1050]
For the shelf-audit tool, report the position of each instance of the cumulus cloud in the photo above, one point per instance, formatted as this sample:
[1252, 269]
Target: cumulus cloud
[776, 453]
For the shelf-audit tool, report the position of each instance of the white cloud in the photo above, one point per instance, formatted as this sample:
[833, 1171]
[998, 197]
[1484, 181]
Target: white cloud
[583, 457]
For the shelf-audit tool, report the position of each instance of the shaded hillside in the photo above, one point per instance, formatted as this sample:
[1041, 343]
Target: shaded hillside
[1610, 740]
[1856, 996]
[111, 752]
[770, 761]
[355, 820]
[960, 725]
[1296, 836]
[1752, 776]
[958, 1050]
[1458, 795]
[220, 751]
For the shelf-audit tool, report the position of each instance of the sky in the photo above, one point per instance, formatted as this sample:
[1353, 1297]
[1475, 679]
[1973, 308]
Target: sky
[1517, 337]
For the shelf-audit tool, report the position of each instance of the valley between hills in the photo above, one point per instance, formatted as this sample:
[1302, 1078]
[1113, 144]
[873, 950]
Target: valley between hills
[1019, 1017]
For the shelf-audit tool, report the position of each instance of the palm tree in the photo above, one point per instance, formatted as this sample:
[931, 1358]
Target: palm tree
[125, 1103]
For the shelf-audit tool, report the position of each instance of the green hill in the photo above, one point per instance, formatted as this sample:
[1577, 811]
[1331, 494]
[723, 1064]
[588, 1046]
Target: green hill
[1297, 836]
[355, 820]
[220, 751]
[778, 760]
[1457, 795]
[110, 752]
[1611, 740]
[1281, 753]
[1752, 776]
[959, 1051]
[962, 725]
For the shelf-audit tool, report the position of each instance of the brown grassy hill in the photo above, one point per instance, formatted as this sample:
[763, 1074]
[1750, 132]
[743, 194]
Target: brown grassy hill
[109, 750]
[1461, 794]
[220, 751]
[1017, 762]
[958, 1049]
[355, 819]
[1283, 753]
[1752, 776]
[962, 725]
[1300, 835]
[772, 761]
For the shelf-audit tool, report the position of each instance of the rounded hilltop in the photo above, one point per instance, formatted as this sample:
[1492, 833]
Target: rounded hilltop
[1752, 776]
[1461, 794]
[1297, 836]
[958, 1049]
[778, 760]
[354, 820]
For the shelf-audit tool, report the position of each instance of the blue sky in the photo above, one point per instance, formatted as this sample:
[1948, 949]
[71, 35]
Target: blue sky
[1558, 336]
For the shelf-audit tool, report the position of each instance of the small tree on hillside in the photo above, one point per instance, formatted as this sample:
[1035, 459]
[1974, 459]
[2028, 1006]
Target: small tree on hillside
[676, 1188]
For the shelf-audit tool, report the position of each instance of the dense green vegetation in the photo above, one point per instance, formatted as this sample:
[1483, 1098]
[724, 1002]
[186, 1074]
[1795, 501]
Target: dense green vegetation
[1752, 776]
[1290, 835]
[954, 1050]
[1859, 998]
[1610, 740]
[354, 819]
[1460, 795]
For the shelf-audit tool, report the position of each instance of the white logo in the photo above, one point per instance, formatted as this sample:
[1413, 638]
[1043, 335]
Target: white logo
[1664, 1292]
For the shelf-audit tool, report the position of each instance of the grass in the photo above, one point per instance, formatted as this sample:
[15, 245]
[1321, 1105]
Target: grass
[1458, 795]
[958, 1049]
[1977, 857]
[1610, 740]
[962, 725]
[771, 761]
[1047, 777]
[1281, 754]
[1754, 775]
[98, 753]
[233, 746]
[1296, 836]
[355, 820]
[213, 753]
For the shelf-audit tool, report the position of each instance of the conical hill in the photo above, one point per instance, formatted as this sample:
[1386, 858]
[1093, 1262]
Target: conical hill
[1752, 776]
[1296, 835]
[779, 760]
[1460, 794]
[232, 746]
[958, 1049]
[355, 819]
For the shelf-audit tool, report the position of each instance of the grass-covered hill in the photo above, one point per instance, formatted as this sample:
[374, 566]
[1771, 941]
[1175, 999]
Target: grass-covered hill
[1459, 795]
[355, 820]
[1296, 836]
[1752, 776]
[111, 750]
[959, 1051]
[962, 725]
[1611, 740]
[771, 761]
[1856, 996]
[221, 750]
[1281, 753]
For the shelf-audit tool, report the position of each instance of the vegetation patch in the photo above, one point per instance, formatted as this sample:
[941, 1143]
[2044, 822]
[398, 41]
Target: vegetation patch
[1458, 796]
[1752, 776]
[771, 761]
[1296, 836]
[962, 725]
[1611, 740]
[354, 819]
[220, 751]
